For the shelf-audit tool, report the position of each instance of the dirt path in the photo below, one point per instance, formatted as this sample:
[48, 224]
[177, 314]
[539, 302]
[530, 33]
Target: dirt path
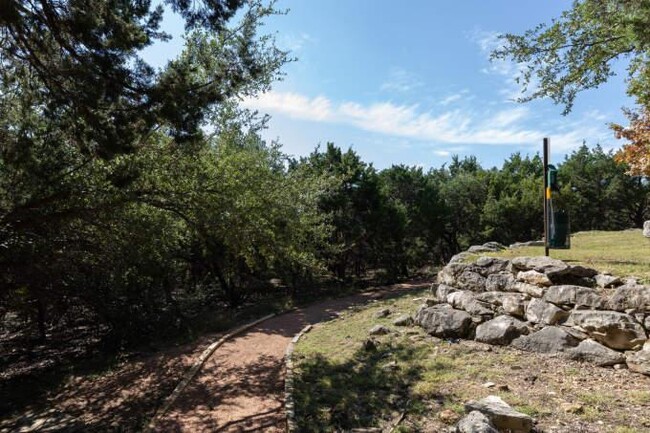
[241, 386]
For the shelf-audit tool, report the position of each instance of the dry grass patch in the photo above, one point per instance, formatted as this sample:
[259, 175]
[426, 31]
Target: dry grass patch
[341, 386]
[622, 253]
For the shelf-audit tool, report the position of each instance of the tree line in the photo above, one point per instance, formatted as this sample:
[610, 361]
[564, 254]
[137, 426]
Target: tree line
[133, 198]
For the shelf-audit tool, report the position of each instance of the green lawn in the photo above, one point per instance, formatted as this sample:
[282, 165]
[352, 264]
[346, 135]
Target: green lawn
[623, 253]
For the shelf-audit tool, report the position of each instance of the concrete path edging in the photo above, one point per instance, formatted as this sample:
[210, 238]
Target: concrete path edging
[289, 403]
[196, 367]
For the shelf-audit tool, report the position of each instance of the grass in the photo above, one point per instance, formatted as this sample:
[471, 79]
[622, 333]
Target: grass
[622, 253]
[341, 386]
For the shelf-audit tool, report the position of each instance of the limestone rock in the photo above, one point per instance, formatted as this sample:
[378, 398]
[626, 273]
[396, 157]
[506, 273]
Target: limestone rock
[448, 416]
[475, 422]
[379, 330]
[539, 311]
[470, 280]
[574, 295]
[500, 330]
[533, 277]
[639, 361]
[443, 291]
[497, 246]
[550, 339]
[543, 264]
[594, 352]
[479, 249]
[515, 304]
[646, 229]
[611, 328]
[403, 320]
[488, 247]
[465, 300]
[630, 297]
[460, 257]
[502, 416]
[510, 303]
[499, 282]
[492, 297]
[529, 289]
[582, 271]
[382, 313]
[604, 281]
[491, 265]
[444, 321]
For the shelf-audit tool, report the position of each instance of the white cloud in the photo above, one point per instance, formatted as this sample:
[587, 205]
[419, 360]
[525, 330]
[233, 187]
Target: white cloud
[488, 41]
[509, 126]
[293, 105]
[442, 152]
[451, 98]
[294, 42]
[401, 81]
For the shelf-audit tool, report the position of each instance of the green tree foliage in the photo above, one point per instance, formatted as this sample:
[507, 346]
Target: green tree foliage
[354, 203]
[578, 50]
[413, 199]
[83, 58]
[513, 208]
[105, 167]
[599, 194]
[463, 187]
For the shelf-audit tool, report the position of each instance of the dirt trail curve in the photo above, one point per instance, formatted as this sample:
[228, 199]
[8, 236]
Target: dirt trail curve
[241, 386]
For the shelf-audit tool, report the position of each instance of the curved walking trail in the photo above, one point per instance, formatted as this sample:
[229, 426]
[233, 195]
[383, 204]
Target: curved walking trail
[240, 388]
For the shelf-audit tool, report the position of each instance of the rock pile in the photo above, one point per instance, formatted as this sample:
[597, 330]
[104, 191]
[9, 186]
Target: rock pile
[544, 305]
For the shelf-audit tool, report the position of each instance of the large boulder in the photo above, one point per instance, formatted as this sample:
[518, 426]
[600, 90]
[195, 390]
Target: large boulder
[611, 328]
[500, 281]
[604, 281]
[502, 416]
[443, 290]
[630, 297]
[403, 320]
[490, 265]
[534, 277]
[550, 339]
[639, 361]
[465, 300]
[646, 229]
[515, 304]
[444, 321]
[539, 311]
[574, 295]
[594, 352]
[500, 330]
[470, 280]
[475, 422]
[510, 303]
[529, 289]
[543, 264]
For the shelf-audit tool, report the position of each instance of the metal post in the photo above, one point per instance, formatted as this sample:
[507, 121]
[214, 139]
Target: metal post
[547, 145]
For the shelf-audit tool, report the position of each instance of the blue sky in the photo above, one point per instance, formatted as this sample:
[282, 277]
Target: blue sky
[411, 82]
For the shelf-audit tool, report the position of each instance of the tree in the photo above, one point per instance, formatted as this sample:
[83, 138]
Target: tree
[577, 51]
[635, 153]
[84, 58]
[513, 209]
[91, 137]
[598, 193]
[354, 204]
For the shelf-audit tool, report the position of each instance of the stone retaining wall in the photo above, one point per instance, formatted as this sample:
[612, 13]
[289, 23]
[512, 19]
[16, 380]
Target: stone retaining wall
[542, 304]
